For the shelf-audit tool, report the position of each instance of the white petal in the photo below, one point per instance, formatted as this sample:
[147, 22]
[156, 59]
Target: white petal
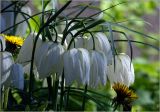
[102, 44]
[2, 43]
[22, 28]
[69, 64]
[51, 61]
[73, 58]
[54, 57]
[78, 69]
[25, 54]
[3, 23]
[67, 67]
[89, 43]
[124, 73]
[94, 79]
[8, 17]
[41, 52]
[77, 66]
[6, 61]
[101, 67]
[85, 63]
[128, 69]
[17, 76]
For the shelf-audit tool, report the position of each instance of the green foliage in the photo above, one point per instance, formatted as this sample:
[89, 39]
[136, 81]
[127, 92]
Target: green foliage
[147, 85]
[128, 10]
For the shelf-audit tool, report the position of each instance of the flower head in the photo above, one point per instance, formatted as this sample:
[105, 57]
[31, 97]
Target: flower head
[16, 40]
[17, 74]
[98, 68]
[76, 66]
[102, 44]
[48, 59]
[25, 53]
[122, 71]
[124, 97]
[22, 28]
[16, 78]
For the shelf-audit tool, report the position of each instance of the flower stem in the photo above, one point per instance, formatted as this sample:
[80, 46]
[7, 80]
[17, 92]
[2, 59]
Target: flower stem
[6, 95]
[84, 98]
[55, 92]
[62, 91]
[67, 100]
[49, 82]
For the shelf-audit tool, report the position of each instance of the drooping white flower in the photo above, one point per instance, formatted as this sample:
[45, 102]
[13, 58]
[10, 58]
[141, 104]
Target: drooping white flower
[25, 54]
[6, 61]
[98, 68]
[16, 78]
[102, 44]
[22, 28]
[49, 59]
[76, 66]
[81, 42]
[124, 71]
[3, 23]
[6, 18]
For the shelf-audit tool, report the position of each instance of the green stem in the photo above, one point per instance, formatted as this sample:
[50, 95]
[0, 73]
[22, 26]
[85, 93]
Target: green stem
[55, 93]
[62, 91]
[84, 98]
[42, 21]
[6, 93]
[67, 100]
[49, 82]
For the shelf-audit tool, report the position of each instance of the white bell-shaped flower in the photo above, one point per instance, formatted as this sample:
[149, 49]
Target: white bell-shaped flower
[17, 76]
[3, 23]
[6, 61]
[102, 44]
[100, 41]
[49, 59]
[25, 54]
[6, 18]
[2, 43]
[98, 68]
[80, 42]
[22, 28]
[76, 66]
[122, 71]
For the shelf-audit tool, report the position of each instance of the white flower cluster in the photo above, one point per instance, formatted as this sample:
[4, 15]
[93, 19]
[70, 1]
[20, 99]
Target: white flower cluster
[12, 74]
[88, 61]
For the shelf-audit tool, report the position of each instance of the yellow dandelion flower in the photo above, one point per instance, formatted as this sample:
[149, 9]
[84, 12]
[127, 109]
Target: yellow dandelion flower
[124, 97]
[17, 40]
